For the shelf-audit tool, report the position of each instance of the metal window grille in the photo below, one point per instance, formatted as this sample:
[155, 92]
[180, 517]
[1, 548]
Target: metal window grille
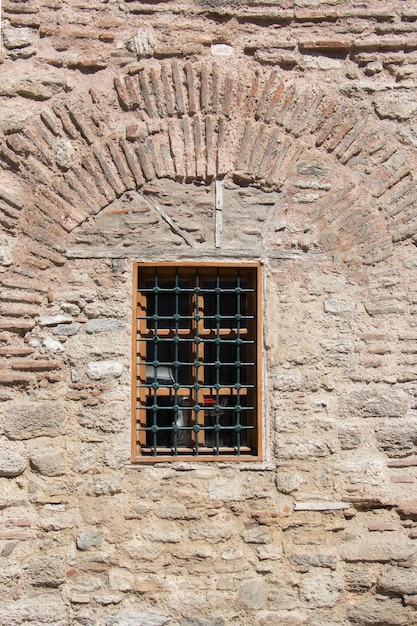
[196, 362]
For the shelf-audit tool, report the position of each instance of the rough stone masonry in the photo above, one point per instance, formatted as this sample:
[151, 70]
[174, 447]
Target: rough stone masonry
[127, 127]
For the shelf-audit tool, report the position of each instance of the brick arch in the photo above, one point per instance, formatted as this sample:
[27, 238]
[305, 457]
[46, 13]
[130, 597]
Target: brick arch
[198, 122]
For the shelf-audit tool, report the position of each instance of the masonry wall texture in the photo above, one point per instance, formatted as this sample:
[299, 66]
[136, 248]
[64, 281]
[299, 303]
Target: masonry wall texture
[125, 126]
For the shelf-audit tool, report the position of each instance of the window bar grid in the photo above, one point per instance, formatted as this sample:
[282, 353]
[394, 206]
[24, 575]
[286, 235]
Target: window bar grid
[154, 428]
[197, 352]
[238, 365]
[177, 410]
[217, 365]
[186, 397]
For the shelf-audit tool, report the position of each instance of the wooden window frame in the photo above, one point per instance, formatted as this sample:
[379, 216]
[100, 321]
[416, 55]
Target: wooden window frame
[197, 407]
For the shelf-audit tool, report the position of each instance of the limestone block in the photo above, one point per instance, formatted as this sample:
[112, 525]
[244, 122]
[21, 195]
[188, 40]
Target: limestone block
[398, 580]
[116, 453]
[374, 401]
[137, 618]
[270, 552]
[17, 37]
[142, 44]
[226, 488]
[54, 320]
[47, 608]
[100, 370]
[213, 533]
[47, 571]
[305, 561]
[301, 449]
[7, 245]
[257, 534]
[30, 420]
[350, 437]
[398, 438]
[68, 330]
[52, 345]
[121, 579]
[320, 590]
[102, 325]
[374, 548]
[289, 618]
[86, 583]
[203, 621]
[363, 472]
[35, 88]
[90, 539]
[389, 612]
[64, 153]
[164, 532]
[287, 482]
[10, 572]
[396, 105]
[109, 418]
[107, 486]
[251, 595]
[339, 307]
[12, 459]
[48, 460]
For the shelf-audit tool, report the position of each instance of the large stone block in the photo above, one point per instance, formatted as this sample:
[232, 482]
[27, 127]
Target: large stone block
[47, 571]
[251, 595]
[371, 612]
[47, 608]
[399, 438]
[137, 618]
[374, 401]
[398, 580]
[375, 548]
[28, 420]
[13, 460]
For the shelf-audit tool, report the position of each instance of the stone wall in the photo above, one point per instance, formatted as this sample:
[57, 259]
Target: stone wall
[126, 128]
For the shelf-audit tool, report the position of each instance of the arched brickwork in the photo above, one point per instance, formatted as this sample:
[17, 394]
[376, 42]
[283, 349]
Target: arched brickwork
[192, 123]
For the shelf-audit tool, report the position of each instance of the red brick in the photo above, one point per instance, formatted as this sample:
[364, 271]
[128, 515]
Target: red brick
[14, 378]
[35, 365]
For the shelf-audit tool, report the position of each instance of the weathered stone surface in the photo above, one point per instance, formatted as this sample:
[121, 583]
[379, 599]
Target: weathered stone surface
[137, 618]
[374, 612]
[287, 482]
[90, 539]
[376, 549]
[48, 460]
[320, 591]
[402, 581]
[251, 595]
[307, 560]
[339, 307]
[100, 370]
[399, 105]
[350, 437]
[68, 330]
[47, 571]
[107, 485]
[397, 439]
[27, 420]
[374, 401]
[301, 449]
[54, 320]
[13, 461]
[35, 88]
[38, 610]
[102, 325]
[17, 37]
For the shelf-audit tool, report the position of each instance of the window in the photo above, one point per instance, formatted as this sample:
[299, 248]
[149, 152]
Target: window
[196, 355]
